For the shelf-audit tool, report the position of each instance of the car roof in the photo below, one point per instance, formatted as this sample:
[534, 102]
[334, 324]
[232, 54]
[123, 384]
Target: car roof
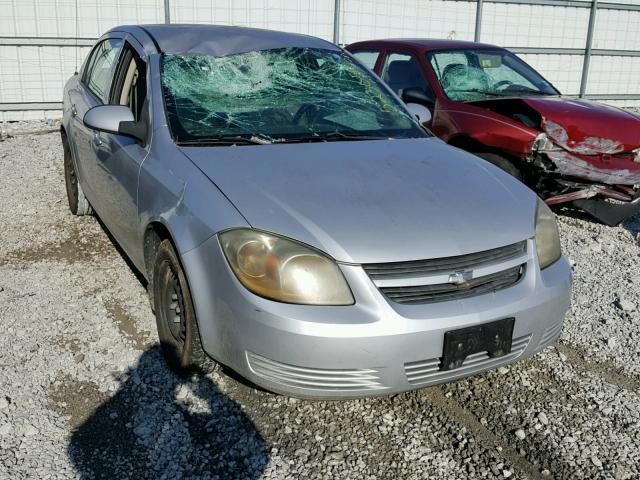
[426, 44]
[219, 40]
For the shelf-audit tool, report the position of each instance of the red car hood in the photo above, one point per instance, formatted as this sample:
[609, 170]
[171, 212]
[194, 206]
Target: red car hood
[588, 125]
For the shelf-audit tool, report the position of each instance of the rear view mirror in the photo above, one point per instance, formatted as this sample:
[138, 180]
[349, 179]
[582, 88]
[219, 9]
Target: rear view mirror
[116, 119]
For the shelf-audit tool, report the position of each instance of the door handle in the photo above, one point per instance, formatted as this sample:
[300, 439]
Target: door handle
[74, 112]
[97, 139]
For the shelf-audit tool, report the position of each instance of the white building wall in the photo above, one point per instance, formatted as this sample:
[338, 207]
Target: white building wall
[367, 19]
[38, 73]
[296, 16]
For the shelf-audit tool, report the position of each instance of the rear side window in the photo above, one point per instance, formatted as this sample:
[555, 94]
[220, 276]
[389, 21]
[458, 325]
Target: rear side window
[101, 67]
[367, 57]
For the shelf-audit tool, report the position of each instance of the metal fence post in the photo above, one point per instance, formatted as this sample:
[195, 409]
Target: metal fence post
[167, 12]
[336, 22]
[476, 36]
[587, 49]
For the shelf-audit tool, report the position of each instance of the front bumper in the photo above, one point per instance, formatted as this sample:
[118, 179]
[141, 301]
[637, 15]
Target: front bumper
[375, 347]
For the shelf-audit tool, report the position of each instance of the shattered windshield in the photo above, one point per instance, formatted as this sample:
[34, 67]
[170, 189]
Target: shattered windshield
[274, 96]
[476, 74]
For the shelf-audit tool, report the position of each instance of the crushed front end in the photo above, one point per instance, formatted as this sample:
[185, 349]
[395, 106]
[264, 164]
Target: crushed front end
[598, 175]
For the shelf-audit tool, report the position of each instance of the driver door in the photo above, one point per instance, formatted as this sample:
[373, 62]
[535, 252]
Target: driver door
[120, 157]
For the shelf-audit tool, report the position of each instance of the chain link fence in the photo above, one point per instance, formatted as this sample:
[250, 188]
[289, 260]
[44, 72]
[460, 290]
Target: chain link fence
[587, 48]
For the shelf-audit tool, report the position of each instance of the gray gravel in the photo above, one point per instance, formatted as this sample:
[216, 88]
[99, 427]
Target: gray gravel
[84, 393]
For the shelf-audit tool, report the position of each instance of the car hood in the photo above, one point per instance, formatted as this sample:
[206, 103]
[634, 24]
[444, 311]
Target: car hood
[373, 201]
[583, 123]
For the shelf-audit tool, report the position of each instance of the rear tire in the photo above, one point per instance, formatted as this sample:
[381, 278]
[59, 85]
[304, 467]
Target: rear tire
[502, 163]
[78, 203]
[175, 315]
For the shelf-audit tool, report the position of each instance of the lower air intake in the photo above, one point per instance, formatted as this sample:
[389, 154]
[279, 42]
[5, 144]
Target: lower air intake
[313, 378]
[426, 372]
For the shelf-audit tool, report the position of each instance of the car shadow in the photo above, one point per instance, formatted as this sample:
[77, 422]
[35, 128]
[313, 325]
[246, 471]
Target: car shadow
[159, 425]
[631, 224]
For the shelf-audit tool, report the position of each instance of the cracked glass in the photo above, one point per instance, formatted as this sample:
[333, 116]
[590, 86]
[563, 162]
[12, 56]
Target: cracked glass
[468, 75]
[281, 95]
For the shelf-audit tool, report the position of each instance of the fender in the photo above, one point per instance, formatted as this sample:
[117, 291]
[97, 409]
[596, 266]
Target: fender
[183, 199]
[504, 134]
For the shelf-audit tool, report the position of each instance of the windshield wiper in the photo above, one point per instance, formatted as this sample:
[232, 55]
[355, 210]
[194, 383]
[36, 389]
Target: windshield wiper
[484, 92]
[332, 136]
[534, 92]
[226, 140]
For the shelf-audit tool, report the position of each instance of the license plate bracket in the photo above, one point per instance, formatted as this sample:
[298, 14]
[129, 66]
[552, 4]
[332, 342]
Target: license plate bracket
[493, 337]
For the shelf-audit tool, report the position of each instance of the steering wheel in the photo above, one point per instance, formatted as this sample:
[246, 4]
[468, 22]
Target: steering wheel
[309, 111]
[499, 84]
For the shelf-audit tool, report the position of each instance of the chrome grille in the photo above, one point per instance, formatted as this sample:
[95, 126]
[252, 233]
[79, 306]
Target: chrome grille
[442, 292]
[428, 371]
[314, 378]
[379, 271]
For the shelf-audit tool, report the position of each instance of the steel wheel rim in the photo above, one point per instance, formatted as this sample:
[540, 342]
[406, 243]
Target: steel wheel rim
[72, 179]
[173, 306]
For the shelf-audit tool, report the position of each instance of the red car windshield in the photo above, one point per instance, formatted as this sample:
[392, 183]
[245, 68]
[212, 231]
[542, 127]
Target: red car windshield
[469, 75]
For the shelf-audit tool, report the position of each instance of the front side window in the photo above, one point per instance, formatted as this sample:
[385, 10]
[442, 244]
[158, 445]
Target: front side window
[476, 74]
[401, 71]
[131, 84]
[289, 94]
[102, 66]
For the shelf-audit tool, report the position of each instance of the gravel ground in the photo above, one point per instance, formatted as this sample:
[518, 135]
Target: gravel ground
[84, 393]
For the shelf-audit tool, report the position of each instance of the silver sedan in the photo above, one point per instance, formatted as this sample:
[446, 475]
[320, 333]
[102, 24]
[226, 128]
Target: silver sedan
[296, 223]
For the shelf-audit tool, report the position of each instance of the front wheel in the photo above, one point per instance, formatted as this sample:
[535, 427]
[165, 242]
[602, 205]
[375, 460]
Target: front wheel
[175, 316]
[502, 163]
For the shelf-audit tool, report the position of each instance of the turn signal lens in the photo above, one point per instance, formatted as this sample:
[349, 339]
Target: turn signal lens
[547, 236]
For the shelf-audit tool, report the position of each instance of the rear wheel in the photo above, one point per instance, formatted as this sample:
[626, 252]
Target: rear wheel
[78, 203]
[501, 162]
[175, 316]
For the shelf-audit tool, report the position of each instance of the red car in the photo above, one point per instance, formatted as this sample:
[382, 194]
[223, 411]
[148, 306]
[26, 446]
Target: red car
[486, 100]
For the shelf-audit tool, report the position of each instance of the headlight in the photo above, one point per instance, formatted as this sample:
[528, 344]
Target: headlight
[636, 155]
[547, 236]
[542, 143]
[284, 270]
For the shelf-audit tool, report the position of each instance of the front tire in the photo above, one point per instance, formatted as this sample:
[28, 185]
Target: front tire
[175, 315]
[502, 163]
[78, 203]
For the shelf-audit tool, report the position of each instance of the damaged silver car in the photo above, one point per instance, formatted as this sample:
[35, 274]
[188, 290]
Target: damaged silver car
[294, 221]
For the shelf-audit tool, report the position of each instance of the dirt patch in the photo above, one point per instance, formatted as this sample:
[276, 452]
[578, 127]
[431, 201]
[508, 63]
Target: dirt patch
[75, 399]
[127, 325]
[452, 409]
[70, 344]
[583, 362]
[82, 244]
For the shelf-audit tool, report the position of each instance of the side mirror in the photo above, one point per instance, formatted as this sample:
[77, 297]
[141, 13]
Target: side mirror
[116, 119]
[417, 95]
[422, 113]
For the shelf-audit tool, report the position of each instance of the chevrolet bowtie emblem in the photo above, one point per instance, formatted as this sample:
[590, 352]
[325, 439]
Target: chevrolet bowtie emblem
[460, 278]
